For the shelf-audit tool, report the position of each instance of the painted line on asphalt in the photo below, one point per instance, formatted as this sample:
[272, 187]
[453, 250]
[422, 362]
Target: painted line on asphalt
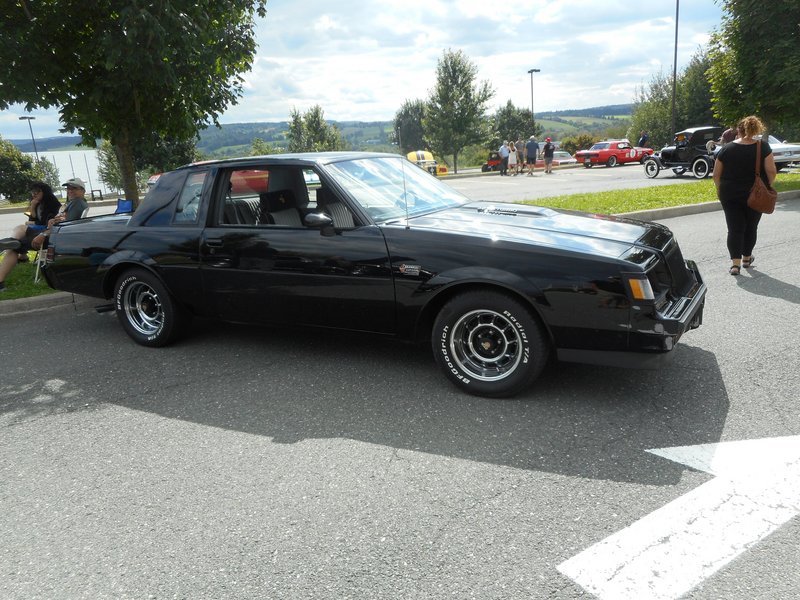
[667, 553]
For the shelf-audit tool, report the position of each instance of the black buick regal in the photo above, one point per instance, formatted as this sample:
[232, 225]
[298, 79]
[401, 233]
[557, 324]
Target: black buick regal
[370, 242]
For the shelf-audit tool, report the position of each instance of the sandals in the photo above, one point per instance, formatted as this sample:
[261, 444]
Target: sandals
[747, 263]
[735, 270]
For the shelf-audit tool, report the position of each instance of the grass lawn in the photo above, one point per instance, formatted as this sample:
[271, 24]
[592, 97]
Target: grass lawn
[19, 284]
[622, 201]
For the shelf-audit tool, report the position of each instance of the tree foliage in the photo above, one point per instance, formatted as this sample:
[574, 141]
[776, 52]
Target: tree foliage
[755, 61]
[653, 106]
[511, 123]
[582, 141]
[126, 71]
[409, 132]
[455, 114]
[16, 171]
[310, 132]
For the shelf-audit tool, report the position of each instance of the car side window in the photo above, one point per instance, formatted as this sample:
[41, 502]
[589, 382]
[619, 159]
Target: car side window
[189, 201]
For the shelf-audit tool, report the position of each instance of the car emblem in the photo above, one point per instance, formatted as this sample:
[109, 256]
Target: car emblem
[409, 269]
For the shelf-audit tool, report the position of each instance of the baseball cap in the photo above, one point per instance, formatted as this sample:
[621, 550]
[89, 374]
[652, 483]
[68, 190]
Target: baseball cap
[547, 140]
[74, 182]
[532, 137]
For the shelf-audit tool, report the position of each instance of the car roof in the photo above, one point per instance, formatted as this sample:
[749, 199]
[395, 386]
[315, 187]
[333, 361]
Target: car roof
[293, 158]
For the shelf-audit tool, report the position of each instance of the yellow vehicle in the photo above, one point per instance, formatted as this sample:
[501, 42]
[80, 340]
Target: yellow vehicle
[424, 160]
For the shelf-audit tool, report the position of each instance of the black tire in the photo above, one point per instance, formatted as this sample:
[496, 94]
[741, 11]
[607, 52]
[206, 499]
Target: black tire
[489, 344]
[146, 310]
[651, 169]
[612, 161]
[587, 165]
[700, 168]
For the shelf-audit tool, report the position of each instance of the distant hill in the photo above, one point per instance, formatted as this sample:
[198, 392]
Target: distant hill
[234, 139]
[61, 142]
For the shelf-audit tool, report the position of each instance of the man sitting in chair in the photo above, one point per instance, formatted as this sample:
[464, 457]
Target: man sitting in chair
[73, 209]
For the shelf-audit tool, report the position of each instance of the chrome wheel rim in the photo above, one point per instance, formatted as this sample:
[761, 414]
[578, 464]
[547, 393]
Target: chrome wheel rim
[143, 308]
[486, 345]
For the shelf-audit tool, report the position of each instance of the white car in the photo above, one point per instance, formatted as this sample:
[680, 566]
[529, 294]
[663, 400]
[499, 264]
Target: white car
[784, 153]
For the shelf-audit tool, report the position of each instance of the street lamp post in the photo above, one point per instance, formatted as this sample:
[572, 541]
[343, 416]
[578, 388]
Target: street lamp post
[29, 119]
[532, 71]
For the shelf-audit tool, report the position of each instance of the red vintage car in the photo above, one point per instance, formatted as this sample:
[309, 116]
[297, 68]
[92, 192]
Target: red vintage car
[612, 153]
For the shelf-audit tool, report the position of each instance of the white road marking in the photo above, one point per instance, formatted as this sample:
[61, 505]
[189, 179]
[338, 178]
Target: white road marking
[673, 549]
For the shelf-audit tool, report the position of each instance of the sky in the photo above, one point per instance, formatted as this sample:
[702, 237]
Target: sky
[361, 60]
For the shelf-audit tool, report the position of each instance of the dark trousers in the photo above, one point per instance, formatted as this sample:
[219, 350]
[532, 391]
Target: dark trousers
[504, 166]
[742, 224]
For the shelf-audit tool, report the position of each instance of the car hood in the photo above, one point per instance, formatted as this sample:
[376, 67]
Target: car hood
[588, 233]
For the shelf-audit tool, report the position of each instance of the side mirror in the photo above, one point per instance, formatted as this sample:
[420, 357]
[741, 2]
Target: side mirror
[321, 221]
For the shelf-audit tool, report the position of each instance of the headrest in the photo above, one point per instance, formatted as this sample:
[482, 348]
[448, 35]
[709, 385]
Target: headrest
[278, 200]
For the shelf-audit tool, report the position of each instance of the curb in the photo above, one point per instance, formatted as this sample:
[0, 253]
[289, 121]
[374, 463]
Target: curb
[47, 301]
[19, 306]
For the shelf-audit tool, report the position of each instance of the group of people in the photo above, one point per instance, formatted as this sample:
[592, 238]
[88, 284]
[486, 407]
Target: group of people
[519, 155]
[44, 211]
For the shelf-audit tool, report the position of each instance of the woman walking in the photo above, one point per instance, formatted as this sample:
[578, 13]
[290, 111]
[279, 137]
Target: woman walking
[734, 174]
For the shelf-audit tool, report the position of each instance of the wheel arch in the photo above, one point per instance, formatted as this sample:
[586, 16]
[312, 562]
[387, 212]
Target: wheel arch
[132, 261]
[531, 298]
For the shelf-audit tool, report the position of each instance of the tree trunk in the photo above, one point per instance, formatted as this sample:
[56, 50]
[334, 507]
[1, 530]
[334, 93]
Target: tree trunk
[122, 148]
[455, 162]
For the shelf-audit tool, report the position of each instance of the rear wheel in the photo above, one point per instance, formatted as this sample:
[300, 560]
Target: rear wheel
[700, 168]
[146, 310]
[489, 344]
[588, 165]
[612, 161]
[651, 169]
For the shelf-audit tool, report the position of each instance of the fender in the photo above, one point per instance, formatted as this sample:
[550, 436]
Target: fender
[657, 160]
[441, 287]
[113, 263]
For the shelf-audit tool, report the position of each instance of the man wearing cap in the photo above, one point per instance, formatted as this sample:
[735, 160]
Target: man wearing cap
[532, 152]
[547, 152]
[76, 201]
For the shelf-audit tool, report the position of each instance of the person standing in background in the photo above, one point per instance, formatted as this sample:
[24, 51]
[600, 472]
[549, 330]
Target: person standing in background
[532, 153]
[548, 151]
[503, 152]
[512, 158]
[734, 174]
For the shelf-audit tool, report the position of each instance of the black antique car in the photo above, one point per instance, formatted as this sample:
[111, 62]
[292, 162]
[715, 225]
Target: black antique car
[690, 151]
[368, 242]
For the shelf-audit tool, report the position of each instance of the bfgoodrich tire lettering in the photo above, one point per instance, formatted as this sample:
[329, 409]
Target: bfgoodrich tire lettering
[146, 310]
[489, 344]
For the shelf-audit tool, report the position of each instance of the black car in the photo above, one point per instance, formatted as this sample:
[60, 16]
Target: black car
[369, 242]
[690, 151]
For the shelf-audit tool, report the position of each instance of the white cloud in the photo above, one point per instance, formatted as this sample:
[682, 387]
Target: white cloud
[360, 61]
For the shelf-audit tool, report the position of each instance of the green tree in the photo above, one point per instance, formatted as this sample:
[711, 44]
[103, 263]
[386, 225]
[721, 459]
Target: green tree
[310, 132]
[259, 147]
[755, 61]
[47, 172]
[17, 171]
[108, 166]
[581, 141]
[455, 114]
[694, 92]
[123, 71]
[652, 111]
[511, 123]
[408, 126]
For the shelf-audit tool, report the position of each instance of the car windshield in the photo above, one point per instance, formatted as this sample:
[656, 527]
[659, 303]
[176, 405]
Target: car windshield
[389, 188]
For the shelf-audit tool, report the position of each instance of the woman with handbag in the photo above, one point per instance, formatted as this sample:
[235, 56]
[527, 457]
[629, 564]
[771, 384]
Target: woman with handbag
[734, 173]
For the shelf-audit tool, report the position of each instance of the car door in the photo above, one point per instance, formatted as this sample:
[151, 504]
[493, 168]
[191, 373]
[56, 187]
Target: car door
[256, 270]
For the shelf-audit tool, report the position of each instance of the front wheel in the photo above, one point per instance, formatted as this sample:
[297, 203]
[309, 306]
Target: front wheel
[489, 344]
[146, 310]
[612, 161]
[651, 169]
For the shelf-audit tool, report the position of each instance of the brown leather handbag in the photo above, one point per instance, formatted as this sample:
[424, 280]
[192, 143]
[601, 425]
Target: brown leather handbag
[762, 196]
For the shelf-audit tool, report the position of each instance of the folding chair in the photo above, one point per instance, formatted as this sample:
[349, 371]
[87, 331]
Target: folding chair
[123, 206]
